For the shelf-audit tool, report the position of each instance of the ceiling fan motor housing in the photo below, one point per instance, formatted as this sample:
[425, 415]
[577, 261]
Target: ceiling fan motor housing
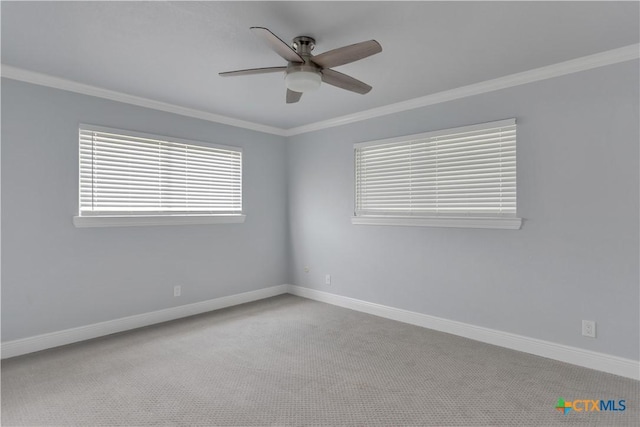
[304, 45]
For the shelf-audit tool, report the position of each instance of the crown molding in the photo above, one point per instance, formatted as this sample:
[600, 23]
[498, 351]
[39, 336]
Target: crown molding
[32, 77]
[610, 57]
[623, 54]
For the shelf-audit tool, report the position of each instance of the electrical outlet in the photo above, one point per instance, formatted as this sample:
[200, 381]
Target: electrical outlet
[306, 269]
[589, 328]
[177, 291]
[327, 279]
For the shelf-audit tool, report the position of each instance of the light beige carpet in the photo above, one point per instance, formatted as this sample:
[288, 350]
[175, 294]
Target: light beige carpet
[291, 361]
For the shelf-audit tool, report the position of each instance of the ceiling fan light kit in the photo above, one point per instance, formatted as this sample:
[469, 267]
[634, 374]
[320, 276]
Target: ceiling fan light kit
[302, 81]
[305, 72]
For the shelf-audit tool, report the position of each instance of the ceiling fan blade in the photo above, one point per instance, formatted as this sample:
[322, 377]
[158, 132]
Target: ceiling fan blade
[277, 45]
[252, 71]
[343, 81]
[347, 54]
[293, 97]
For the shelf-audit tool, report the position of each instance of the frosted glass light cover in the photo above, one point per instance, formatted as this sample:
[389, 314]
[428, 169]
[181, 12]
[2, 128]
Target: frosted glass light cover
[302, 81]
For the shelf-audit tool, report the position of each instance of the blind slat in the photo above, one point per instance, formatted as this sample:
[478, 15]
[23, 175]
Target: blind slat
[129, 174]
[463, 173]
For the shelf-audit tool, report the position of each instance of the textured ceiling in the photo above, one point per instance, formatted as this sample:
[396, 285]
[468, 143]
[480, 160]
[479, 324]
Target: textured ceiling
[172, 51]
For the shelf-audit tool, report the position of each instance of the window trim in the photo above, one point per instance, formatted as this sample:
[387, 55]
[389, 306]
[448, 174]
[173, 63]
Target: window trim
[507, 223]
[121, 219]
[144, 220]
[471, 220]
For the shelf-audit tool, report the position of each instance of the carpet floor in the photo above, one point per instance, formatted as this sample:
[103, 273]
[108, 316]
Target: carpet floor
[296, 362]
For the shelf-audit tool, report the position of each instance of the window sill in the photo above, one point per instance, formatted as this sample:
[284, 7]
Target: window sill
[135, 221]
[453, 222]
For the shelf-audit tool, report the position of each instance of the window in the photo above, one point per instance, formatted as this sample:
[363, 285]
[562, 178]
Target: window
[462, 177]
[130, 178]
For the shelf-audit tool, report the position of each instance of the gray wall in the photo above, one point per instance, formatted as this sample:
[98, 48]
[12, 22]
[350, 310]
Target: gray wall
[575, 258]
[55, 276]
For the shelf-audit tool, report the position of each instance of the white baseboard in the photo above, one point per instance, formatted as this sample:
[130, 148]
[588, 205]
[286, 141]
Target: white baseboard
[68, 336]
[576, 356]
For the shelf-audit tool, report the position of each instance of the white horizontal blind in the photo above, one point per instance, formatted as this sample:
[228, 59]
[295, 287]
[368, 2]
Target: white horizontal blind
[127, 173]
[469, 171]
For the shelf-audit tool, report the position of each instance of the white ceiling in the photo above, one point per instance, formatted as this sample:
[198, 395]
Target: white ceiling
[172, 51]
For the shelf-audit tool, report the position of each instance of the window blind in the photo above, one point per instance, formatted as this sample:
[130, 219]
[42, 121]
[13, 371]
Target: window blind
[127, 173]
[468, 171]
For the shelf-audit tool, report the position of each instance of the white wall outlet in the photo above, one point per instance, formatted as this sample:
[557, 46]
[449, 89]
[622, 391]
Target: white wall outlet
[306, 269]
[327, 279]
[589, 328]
[177, 291]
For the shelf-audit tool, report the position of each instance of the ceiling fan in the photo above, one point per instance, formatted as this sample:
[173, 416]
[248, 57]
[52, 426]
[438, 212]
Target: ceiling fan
[304, 71]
